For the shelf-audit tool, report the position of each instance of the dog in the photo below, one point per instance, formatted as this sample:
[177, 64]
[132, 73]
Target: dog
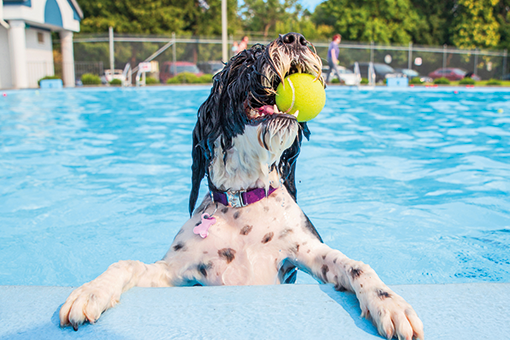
[249, 230]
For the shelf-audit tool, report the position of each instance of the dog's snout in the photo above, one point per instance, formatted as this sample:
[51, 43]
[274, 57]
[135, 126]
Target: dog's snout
[294, 39]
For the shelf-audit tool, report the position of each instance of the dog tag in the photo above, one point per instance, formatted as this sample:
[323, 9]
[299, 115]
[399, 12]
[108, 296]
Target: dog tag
[202, 228]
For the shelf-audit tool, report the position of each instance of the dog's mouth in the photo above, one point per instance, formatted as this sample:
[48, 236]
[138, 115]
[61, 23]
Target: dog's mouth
[259, 111]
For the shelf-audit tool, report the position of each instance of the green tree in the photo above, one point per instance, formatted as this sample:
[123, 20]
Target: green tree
[503, 18]
[386, 21]
[475, 25]
[264, 15]
[438, 16]
[156, 16]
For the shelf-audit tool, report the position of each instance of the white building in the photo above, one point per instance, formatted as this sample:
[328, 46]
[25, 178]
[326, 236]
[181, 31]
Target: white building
[26, 52]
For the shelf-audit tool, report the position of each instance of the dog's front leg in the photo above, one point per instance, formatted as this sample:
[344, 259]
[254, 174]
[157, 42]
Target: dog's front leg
[93, 298]
[391, 314]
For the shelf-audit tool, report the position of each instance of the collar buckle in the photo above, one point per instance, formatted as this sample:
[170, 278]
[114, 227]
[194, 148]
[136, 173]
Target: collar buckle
[235, 198]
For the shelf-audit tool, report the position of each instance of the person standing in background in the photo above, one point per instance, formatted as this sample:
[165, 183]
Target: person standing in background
[333, 52]
[243, 44]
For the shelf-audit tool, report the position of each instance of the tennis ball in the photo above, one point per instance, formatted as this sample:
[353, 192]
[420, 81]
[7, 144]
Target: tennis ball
[303, 93]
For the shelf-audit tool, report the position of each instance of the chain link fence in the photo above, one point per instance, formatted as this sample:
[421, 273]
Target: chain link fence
[92, 55]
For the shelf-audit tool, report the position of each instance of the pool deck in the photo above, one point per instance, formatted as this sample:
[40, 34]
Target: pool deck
[452, 311]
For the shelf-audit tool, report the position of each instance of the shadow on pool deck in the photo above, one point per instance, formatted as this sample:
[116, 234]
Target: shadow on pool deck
[457, 311]
[350, 303]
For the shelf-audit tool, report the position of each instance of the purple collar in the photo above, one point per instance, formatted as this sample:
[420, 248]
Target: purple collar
[241, 198]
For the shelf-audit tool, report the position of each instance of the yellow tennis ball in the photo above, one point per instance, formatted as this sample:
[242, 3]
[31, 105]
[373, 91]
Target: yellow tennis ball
[301, 92]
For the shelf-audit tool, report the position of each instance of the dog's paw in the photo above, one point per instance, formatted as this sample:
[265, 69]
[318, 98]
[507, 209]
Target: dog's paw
[392, 315]
[86, 303]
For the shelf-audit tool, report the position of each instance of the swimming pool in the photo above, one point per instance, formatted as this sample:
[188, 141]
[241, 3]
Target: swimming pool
[415, 182]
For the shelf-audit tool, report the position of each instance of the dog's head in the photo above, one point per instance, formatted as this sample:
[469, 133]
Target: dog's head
[241, 139]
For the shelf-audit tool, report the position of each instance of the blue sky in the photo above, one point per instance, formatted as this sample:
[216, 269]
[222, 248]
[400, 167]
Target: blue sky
[310, 4]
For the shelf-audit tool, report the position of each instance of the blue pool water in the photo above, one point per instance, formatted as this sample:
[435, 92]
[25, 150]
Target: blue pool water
[415, 182]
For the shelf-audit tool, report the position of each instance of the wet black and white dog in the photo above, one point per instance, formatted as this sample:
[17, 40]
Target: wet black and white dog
[249, 229]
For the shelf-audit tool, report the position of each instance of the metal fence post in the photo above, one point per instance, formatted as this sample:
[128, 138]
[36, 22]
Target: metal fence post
[476, 61]
[444, 56]
[504, 63]
[224, 30]
[409, 61]
[112, 55]
[371, 51]
[174, 53]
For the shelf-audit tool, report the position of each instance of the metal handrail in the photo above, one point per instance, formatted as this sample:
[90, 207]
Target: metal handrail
[126, 75]
[155, 54]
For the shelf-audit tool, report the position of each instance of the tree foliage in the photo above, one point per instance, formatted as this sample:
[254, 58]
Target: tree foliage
[475, 25]
[462, 23]
[264, 15]
[503, 18]
[372, 20]
[156, 16]
[438, 16]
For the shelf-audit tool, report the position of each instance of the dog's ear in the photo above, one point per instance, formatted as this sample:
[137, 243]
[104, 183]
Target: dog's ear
[222, 114]
[289, 159]
[206, 131]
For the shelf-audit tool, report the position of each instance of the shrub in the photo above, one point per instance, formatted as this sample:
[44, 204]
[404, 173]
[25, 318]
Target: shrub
[441, 81]
[151, 81]
[188, 78]
[90, 79]
[467, 81]
[335, 81]
[174, 80]
[116, 82]
[184, 78]
[364, 81]
[205, 79]
[416, 81]
[47, 77]
[493, 82]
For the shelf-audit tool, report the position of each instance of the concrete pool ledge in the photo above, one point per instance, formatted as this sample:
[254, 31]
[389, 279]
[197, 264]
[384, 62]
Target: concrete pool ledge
[451, 311]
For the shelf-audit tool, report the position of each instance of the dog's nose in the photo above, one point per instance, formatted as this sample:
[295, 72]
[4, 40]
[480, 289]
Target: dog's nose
[294, 39]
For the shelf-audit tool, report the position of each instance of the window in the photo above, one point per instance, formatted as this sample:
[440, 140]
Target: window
[40, 37]
[411, 73]
[383, 69]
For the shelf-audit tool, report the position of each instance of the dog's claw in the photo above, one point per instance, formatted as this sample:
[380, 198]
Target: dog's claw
[84, 304]
[393, 317]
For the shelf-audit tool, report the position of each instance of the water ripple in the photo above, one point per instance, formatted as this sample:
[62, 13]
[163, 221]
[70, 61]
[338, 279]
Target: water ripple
[414, 182]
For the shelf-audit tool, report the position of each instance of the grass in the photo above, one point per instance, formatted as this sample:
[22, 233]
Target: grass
[478, 83]
[484, 83]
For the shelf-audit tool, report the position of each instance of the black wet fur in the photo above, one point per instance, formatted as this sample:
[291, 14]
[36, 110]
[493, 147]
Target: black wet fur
[236, 87]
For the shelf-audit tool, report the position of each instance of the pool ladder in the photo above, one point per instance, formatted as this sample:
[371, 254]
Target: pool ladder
[127, 75]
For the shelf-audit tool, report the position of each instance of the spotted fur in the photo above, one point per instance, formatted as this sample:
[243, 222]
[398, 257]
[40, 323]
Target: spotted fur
[267, 237]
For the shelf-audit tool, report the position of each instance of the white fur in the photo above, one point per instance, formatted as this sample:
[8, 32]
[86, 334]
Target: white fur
[248, 163]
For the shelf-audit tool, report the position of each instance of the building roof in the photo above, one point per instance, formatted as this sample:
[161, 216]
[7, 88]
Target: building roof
[77, 8]
[47, 14]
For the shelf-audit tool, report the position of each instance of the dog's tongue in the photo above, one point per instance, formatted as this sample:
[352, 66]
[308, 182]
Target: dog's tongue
[266, 110]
